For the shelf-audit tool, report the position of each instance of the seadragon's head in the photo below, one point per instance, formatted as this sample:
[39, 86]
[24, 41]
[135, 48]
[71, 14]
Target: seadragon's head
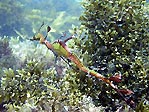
[38, 37]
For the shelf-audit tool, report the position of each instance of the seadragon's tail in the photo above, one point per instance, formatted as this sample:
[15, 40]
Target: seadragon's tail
[109, 81]
[80, 65]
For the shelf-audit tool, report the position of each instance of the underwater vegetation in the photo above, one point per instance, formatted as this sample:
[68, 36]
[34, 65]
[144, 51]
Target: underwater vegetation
[112, 40]
[7, 59]
[116, 39]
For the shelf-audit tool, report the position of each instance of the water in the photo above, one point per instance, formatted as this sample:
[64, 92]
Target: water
[26, 16]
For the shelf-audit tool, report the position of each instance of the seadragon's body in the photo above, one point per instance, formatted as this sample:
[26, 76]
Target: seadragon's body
[59, 48]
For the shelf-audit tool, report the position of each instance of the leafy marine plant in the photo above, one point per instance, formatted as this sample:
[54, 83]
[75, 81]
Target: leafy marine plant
[6, 57]
[35, 88]
[143, 106]
[115, 39]
[29, 85]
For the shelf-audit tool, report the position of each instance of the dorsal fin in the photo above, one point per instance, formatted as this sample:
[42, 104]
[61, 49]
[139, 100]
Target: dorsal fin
[48, 30]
